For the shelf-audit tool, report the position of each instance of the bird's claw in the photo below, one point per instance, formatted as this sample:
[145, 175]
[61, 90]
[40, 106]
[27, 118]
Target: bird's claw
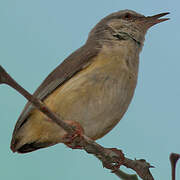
[72, 140]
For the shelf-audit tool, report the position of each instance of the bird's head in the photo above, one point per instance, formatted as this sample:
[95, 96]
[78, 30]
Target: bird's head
[125, 24]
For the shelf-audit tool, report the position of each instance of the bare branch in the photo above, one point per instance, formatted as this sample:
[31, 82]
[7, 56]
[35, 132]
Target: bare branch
[111, 158]
[141, 167]
[173, 159]
[125, 176]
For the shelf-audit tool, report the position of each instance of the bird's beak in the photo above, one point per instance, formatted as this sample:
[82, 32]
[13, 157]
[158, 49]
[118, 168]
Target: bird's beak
[150, 21]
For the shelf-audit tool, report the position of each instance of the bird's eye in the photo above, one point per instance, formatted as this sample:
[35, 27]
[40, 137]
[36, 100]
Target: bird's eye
[127, 16]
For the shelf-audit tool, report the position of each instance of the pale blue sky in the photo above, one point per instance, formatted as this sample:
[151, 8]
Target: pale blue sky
[36, 35]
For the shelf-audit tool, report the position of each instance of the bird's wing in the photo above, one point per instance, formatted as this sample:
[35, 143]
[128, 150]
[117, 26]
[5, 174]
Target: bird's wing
[69, 67]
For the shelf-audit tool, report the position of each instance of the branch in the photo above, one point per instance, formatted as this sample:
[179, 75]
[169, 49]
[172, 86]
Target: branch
[124, 176]
[110, 158]
[173, 159]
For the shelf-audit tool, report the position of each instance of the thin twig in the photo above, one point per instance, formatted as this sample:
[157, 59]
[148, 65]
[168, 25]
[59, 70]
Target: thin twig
[108, 157]
[173, 159]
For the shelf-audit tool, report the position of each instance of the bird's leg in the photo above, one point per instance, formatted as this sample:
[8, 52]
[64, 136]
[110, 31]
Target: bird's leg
[118, 159]
[72, 140]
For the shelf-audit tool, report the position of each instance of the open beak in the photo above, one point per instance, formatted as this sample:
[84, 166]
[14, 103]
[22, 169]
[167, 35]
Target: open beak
[150, 21]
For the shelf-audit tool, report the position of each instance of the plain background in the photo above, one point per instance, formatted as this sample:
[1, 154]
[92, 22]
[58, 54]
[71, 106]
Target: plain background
[37, 35]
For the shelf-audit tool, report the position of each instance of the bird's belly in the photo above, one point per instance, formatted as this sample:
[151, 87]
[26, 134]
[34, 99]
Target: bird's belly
[96, 100]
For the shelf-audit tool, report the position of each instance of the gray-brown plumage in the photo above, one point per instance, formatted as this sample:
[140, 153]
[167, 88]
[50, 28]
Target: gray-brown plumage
[93, 86]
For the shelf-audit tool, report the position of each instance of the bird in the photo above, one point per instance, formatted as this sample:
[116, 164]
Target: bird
[92, 87]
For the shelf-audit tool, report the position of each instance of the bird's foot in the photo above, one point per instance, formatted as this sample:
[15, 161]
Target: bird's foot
[117, 159]
[72, 140]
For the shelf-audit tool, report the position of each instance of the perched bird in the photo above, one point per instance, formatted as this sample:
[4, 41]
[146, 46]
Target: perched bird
[93, 86]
